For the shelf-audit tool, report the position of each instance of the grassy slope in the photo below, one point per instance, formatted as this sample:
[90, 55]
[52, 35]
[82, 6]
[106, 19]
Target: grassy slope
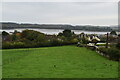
[57, 62]
[0, 64]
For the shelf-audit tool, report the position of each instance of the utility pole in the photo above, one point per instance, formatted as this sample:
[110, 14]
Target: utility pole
[107, 41]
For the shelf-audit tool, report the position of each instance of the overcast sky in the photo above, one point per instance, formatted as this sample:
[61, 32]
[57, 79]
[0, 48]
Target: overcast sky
[84, 13]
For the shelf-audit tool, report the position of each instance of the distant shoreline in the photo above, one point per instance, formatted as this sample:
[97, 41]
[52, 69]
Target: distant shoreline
[6, 26]
[52, 29]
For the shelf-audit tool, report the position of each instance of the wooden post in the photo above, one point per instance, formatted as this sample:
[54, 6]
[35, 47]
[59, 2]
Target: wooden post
[118, 38]
[107, 41]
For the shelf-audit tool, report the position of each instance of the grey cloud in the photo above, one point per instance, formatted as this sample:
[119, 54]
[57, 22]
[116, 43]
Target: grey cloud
[102, 13]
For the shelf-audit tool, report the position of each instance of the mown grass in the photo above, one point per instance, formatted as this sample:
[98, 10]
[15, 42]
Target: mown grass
[57, 62]
[0, 64]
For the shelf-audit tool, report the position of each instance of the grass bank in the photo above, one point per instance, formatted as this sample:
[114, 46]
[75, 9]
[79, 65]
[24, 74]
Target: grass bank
[57, 62]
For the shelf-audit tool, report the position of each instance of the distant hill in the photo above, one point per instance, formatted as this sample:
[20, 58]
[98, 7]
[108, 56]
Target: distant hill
[10, 25]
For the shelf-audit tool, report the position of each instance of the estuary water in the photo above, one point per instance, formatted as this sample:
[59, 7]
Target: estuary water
[53, 31]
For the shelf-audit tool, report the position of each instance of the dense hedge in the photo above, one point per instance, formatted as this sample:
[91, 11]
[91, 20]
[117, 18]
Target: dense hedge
[112, 52]
[118, 45]
[10, 45]
[31, 38]
[30, 44]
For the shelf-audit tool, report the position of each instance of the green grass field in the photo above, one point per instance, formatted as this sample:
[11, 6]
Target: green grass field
[0, 64]
[57, 62]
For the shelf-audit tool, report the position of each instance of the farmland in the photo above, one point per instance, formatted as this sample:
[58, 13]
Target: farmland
[57, 62]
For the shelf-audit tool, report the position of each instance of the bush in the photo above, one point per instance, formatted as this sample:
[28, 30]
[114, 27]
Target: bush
[31, 38]
[118, 45]
[6, 45]
[112, 52]
[4, 33]
[103, 50]
[10, 45]
[74, 40]
[84, 41]
[81, 45]
[113, 33]
[55, 42]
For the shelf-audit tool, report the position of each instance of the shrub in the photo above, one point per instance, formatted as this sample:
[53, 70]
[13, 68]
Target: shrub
[103, 50]
[112, 52]
[9, 45]
[4, 33]
[118, 45]
[55, 42]
[81, 45]
[84, 41]
[74, 40]
[113, 33]
[6, 45]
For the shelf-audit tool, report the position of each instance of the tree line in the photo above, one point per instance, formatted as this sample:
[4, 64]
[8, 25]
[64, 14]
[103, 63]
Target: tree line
[31, 38]
[10, 25]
